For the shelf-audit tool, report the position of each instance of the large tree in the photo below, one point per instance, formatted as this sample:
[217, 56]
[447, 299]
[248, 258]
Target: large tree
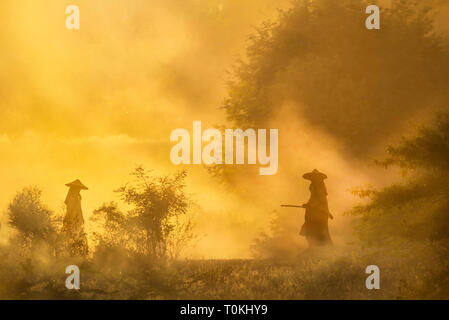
[357, 84]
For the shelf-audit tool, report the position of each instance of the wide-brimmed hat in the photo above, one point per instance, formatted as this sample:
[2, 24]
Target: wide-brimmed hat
[77, 184]
[314, 175]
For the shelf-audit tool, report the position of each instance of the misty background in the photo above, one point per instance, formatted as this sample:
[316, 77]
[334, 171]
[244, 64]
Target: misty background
[94, 103]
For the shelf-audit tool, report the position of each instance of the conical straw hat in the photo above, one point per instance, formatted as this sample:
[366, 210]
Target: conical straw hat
[314, 175]
[77, 184]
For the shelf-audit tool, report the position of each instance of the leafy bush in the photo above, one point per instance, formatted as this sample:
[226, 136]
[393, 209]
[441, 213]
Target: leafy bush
[156, 225]
[282, 241]
[31, 219]
[409, 221]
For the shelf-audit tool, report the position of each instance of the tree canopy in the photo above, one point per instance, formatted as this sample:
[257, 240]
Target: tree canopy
[358, 85]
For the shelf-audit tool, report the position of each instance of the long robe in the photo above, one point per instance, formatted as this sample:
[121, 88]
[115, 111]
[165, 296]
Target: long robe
[315, 227]
[73, 220]
[73, 224]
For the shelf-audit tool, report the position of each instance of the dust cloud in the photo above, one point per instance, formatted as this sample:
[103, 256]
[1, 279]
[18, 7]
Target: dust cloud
[94, 103]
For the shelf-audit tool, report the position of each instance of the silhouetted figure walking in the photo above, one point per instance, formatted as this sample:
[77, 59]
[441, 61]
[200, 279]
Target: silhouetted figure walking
[315, 227]
[73, 224]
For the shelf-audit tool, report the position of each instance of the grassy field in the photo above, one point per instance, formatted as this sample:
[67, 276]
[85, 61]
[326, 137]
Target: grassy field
[311, 276]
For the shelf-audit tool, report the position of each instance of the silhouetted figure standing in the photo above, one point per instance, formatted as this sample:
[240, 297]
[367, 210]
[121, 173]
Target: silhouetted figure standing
[73, 224]
[315, 227]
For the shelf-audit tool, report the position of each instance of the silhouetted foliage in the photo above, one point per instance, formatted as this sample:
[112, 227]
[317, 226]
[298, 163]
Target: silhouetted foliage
[31, 219]
[429, 149]
[282, 241]
[156, 225]
[412, 219]
[356, 84]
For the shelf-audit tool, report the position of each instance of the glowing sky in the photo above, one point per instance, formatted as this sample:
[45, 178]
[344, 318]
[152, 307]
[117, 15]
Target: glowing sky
[94, 103]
